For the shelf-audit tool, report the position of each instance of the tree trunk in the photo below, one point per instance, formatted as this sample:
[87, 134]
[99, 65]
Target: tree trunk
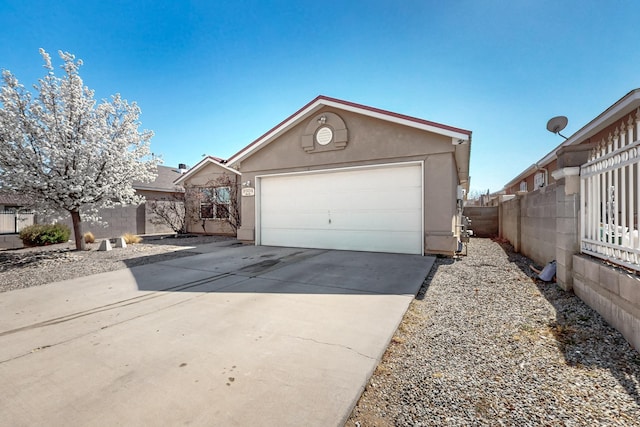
[77, 230]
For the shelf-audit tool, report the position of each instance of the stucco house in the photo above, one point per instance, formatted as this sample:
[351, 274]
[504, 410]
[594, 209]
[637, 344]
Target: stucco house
[139, 219]
[340, 175]
[580, 205]
[574, 150]
[212, 197]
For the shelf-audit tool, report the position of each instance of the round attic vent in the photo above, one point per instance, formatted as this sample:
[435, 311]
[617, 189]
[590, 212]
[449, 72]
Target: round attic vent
[324, 135]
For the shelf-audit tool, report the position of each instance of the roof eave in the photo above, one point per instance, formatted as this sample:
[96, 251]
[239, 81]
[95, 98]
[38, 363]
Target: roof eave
[324, 101]
[621, 107]
[202, 163]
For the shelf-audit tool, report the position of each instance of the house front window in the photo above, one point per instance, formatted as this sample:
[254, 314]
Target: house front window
[215, 203]
[523, 186]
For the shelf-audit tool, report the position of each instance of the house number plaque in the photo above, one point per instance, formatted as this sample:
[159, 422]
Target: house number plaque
[248, 192]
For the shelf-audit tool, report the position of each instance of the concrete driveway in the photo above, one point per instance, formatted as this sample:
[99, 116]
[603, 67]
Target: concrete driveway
[238, 336]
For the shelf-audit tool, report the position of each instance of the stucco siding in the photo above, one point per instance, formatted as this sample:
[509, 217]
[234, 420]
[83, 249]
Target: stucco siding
[370, 141]
[208, 175]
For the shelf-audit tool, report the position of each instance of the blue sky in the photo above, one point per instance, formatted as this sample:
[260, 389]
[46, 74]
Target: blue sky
[212, 76]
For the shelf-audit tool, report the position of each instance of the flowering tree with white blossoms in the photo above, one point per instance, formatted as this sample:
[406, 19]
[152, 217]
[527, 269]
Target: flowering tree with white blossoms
[67, 152]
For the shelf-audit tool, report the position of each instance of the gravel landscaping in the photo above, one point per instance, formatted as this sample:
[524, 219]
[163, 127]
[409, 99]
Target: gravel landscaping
[484, 344]
[23, 268]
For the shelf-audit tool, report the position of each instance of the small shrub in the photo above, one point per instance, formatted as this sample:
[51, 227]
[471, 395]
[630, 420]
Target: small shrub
[44, 234]
[131, 239]
[89, 237]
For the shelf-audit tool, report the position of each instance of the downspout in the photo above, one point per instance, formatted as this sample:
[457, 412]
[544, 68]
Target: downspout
[546, 175]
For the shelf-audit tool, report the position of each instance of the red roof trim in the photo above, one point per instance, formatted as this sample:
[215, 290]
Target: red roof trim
[355, 105]
[216, 160]
[397, 115]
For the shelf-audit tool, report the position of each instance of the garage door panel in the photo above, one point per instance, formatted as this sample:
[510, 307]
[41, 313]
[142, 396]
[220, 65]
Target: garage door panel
[312, 220]
[401, 199]
[372, 209]
[375, 220]
[346, 240]
[365, 221]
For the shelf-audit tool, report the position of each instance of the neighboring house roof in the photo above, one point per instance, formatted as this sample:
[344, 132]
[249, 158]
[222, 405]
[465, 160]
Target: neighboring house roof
[217, 159]
[457, 134]
[13, 199]
[619, 109]
[201, 164]
[163, 182]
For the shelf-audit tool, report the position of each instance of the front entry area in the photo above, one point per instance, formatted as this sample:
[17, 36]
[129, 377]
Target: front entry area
[374, 208]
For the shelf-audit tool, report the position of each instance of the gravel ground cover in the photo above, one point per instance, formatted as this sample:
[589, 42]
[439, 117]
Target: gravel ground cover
[486, 344]
[23, 268]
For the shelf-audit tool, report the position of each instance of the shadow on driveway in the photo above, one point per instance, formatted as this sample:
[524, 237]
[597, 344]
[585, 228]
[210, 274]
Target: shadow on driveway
[280, 270]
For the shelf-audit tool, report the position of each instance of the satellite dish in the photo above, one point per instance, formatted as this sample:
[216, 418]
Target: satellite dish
[556, 124]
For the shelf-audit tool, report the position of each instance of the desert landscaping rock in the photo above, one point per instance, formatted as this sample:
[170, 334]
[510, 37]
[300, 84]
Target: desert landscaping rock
[485, 344]
[23, 268]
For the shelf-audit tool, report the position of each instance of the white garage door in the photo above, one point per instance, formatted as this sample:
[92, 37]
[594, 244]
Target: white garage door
[363, 209]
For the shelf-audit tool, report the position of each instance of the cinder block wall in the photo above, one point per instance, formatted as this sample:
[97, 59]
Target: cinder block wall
[509, 222]
[120, 220]
[484, 220]
[538, 225]
[10, 241]
[612, 292]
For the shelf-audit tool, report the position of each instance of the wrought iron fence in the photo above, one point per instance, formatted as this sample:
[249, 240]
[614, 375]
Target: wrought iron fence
[609, 184]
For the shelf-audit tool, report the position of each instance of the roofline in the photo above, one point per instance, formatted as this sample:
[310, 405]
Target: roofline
[148, 186]
[583, 133]
[321, 100]
[525, 173]
[201, 164]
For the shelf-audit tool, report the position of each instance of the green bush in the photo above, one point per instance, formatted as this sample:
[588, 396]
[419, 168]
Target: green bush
[44, 234]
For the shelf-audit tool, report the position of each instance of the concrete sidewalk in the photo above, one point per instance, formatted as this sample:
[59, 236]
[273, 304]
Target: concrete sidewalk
[237, 336]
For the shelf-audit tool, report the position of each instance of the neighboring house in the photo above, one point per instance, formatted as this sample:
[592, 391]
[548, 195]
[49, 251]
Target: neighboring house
[11, 202]
[488, 199]
[211, 197]
[600, 130]
[580, 205]
[340, 175]
[139, 219]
